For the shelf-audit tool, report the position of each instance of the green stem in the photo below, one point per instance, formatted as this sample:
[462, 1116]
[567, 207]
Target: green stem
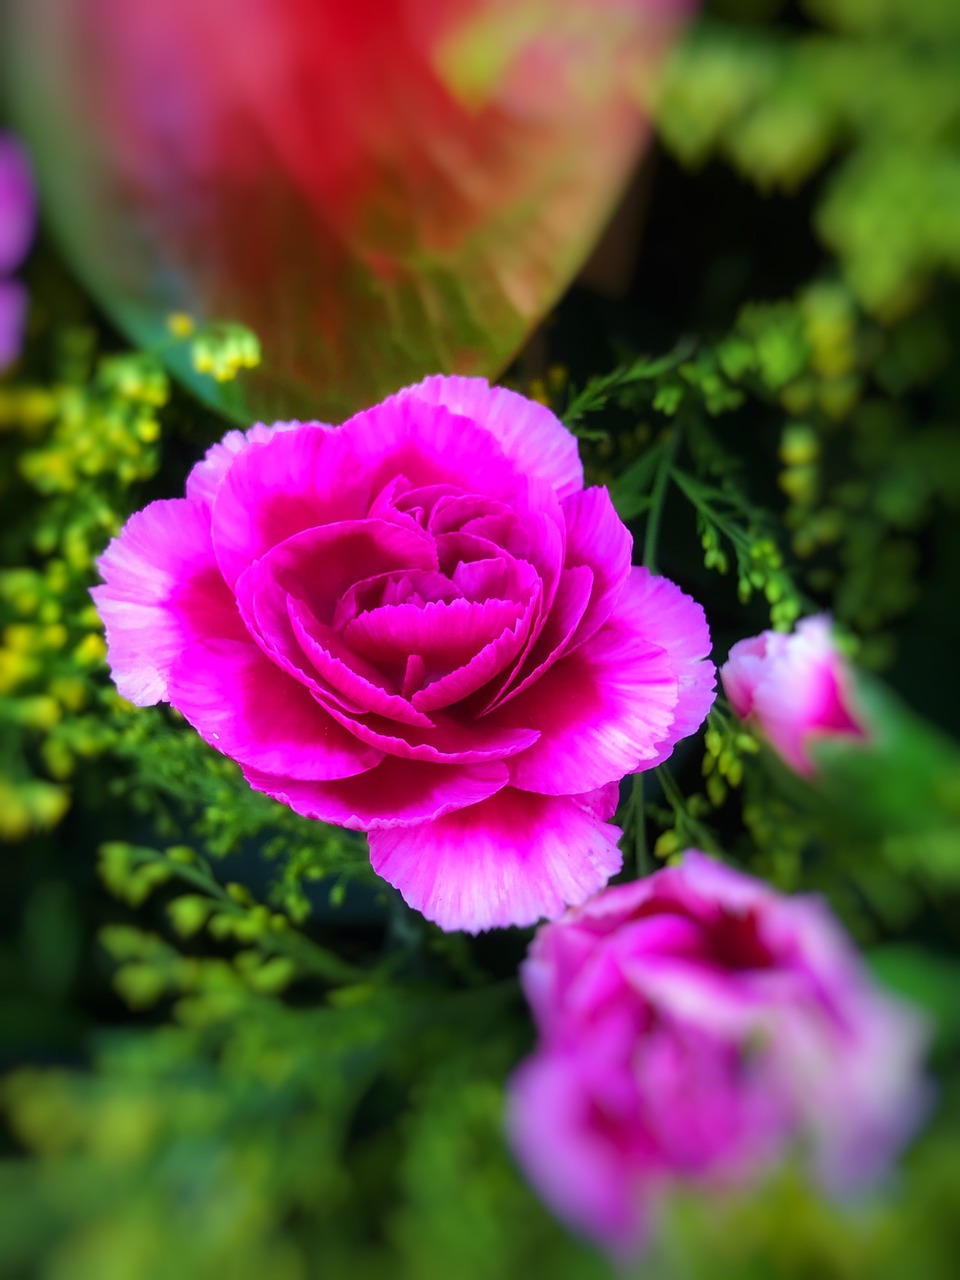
[686, 823]
[640, 851]
[699, 496]
[657, 497]
[672, 792]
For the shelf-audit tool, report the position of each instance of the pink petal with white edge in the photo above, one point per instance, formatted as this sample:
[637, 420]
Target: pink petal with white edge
[699, 886]
[204, 480]
[602, 802]
[668, 617]
[598, 538]
[528, 432]
[394, 793]
[741, 673]
[162, 590]
[602, 711]
[534, 537]
[251, 710]
[805, 693]
[510, 860]
[297, 479]
[440, 452]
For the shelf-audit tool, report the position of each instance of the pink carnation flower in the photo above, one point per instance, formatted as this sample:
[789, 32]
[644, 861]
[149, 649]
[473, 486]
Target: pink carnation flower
[422, 626]
[693, 1027]
[17, 218]
[794, 688]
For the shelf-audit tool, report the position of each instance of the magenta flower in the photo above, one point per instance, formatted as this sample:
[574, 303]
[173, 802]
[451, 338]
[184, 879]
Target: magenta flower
[422, 626]
[17, 218]
[794, 688]
[694, 1026]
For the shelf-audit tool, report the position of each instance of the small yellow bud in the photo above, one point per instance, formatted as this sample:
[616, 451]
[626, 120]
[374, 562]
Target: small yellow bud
[667, 843]
[15, 667]
[14, 815]
[41, 712]
[799, 444]
[91, 649]
[148, 430]
[180, 324]
[20, 637]
[537, 391]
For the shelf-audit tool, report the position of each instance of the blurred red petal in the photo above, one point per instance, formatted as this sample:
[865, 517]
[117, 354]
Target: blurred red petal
[378, 189]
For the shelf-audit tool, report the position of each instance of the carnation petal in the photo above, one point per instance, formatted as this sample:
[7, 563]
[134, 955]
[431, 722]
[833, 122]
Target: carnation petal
[571, 600]
[203, 482]
[450, 740]
[801, 691]
[528, 432]
[741, 672]
[598, 538]
[532, 537]
[251, 710]
[447, 633]
[393, 793]
[601, 711]
[510, 860]
[657, 608]
[358, 685]
[491, 660]
[273, 489]
[318, 566]
[162, 590]
[602, 802]
[432, 446]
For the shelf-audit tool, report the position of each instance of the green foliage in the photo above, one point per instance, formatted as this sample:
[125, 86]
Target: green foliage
[274, 952]
[77, 447]
[255, 1134]
[873, 89]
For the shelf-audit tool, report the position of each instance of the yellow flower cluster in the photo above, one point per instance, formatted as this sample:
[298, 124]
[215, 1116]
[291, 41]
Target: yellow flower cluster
[81, 444]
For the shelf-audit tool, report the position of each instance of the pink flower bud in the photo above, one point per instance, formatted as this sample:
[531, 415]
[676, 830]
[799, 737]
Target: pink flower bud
[793, 689]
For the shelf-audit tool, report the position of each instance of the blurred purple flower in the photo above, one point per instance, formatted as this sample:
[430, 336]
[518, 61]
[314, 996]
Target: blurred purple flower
[694, 1026]
[17, 218]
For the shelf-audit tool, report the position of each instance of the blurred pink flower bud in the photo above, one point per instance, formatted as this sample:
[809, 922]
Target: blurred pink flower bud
[793, 688]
